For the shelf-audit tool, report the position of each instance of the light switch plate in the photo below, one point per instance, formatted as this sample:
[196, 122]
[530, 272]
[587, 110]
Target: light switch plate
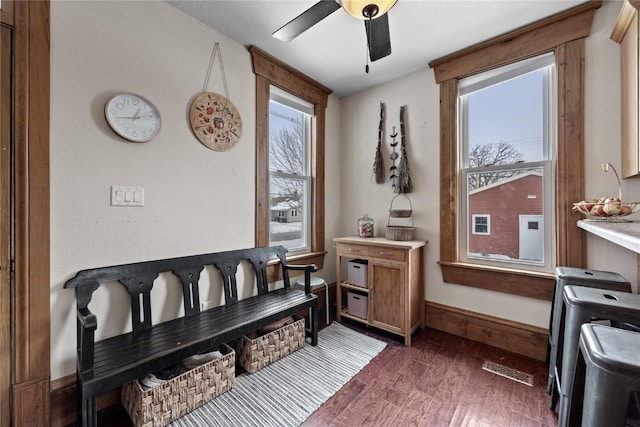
[127, 196]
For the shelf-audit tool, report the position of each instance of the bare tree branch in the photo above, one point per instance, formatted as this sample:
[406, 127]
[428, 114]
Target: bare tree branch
[489, 154]
[286, 154]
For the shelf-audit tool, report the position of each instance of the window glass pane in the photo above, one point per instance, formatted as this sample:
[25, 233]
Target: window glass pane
[514, 201]
[505, 121]
[288, 212]
[506, 135]
[288, 135]
[289, 182]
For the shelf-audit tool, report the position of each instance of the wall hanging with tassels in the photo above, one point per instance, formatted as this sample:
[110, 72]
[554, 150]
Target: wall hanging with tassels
[378, 163]
[403, 184]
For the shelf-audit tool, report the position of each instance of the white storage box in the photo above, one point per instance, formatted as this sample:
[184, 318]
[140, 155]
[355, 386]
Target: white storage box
[357, 304]
[357, 273]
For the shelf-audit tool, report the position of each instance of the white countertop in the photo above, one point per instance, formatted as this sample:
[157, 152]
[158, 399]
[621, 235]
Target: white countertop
[625, 234]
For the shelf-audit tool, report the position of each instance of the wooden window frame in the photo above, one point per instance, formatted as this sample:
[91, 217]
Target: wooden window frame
[564, 35]
[270, 71]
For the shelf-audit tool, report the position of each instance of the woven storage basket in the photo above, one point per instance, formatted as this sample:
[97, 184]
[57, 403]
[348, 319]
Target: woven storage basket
[400, 233]
[400, 213]
[397, 231]
[255, 354]
[167, 402]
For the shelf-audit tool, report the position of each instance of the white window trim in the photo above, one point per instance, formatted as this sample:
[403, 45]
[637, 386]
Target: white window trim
[289, 100]
[477, 82]
[476, 216]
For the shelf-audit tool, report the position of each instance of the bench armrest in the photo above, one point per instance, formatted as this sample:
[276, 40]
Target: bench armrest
[87, 319]
[86, 327]
[308, 269]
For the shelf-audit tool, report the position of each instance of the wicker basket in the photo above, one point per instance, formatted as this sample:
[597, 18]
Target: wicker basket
[399, 232]
[167, 402]
[396, 231]
[400, 213]
[255, 354]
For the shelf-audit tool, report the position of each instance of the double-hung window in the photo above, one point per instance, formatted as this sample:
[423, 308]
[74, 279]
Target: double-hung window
[506, 137]
[290, 133]
[523, 273]
[289, 170]
[481, 224]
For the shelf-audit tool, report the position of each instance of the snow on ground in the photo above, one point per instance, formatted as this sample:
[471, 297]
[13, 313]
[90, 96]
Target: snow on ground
[281, 227]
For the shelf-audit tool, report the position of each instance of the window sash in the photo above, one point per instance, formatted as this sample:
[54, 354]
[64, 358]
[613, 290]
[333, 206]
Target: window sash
[466, 87]
[306, 136]
[466, 229]
[477, 82]
[301, 244]
[303, 212]
[494, 76]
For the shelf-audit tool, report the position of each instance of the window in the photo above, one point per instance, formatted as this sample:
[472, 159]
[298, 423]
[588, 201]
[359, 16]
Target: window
[289, 169]
[481, 224]
[285, 92]
[563, 34]
[506, 138]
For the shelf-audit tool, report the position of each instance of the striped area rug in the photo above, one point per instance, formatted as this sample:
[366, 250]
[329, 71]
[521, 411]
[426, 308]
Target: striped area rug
[288, 391]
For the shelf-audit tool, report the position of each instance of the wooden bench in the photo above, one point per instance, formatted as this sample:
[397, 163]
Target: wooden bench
[112, 362]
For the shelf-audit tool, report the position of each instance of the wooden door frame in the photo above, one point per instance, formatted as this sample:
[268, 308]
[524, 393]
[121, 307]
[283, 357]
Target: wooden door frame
[30, 320]
[6, 37]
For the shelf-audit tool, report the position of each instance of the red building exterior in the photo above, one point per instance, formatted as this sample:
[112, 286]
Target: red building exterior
[503, 203]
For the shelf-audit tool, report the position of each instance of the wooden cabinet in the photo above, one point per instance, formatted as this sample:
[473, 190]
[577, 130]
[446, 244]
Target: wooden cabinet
[625, 32]
[395, 283]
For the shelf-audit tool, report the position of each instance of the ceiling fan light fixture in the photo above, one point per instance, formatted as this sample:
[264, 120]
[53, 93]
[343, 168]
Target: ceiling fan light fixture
[367, 9]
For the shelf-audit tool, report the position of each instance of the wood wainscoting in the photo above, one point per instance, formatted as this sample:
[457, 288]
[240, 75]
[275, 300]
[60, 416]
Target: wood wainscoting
[63, 400]
[516, 337]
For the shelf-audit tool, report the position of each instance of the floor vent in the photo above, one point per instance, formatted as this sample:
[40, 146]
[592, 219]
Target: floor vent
[505, 371]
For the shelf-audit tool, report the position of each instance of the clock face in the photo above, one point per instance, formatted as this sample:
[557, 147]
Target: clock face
[132, 117]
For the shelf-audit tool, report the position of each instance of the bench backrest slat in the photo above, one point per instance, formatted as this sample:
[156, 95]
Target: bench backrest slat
[139, 288]
[260, 267]
[139, 278]
[228, 271]
[189, 278]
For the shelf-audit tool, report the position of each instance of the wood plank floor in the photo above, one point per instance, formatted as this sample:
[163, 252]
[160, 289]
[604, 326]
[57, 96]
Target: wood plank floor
[438, 381]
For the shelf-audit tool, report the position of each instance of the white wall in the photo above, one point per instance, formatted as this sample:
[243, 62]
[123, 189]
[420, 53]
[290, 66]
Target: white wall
[602, 139]
[421, 95]
[196, 200]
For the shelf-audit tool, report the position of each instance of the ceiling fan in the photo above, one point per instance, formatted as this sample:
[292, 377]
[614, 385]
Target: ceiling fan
[373, 12]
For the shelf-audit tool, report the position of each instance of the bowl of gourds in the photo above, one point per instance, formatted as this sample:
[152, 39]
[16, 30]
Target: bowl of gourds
[607, 208]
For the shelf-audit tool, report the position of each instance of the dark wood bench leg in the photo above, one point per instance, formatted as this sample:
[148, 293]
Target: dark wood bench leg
[87, 414]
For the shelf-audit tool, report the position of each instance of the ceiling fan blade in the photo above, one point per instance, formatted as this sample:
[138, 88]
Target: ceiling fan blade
[306, 20]
[378, 37]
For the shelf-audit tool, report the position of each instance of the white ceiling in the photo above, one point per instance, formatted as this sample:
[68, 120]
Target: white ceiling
[333, 52]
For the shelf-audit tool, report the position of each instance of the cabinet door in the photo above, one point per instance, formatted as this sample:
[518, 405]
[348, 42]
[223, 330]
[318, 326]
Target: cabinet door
[387, 294]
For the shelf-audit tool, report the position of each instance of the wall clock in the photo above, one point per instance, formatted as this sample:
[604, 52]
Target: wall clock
[133, 117]
[215, 121]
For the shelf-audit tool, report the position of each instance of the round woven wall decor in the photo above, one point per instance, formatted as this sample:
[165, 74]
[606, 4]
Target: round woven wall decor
[215, 121]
